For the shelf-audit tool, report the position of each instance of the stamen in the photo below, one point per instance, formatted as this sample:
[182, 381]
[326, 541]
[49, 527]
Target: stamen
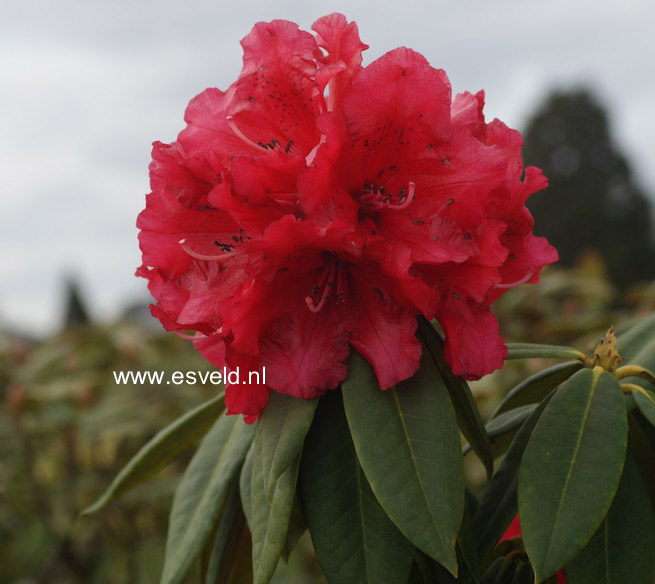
[409, 198]
[523, 280]
[379, 199]
[193, 337]
[341, 285]
[325, 282]
[205, 257]
[239, 134]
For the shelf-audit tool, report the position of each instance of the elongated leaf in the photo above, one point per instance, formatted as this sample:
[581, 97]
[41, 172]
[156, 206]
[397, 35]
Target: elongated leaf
[509, 421]
[466, 409]
[236, 563]
[633, 343]
[531, 351]
[407, 442]
[423, 570]
[202, 494]
[498, 504]
[166, 445]
[492, 575]
[501, 430]
[571, 469]
[524, 574]
[245, 484]
[646, 404]
[224, 533]
[354, 539]
[622, 550]
[281, 431]
[467, 548]
[643, 449]
[537, 386]
[297, 527]
[269, 520]
[426, 571]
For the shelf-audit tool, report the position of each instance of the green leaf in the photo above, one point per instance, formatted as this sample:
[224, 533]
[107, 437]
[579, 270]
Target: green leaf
[203, 493]
[281, 431]
[491, 576]
[498, 504]
[245, 484]
[236, 564]
[643, 449]
[524, 574]
[571, 469]
[537, 386]
[466, 409]
[423, 570]
[297, 527]
[220, 542]
[501, 430]
[408, 444]
[467, 547]
[269, 520]
[166, 445]
[532, 351]
[646, 404]
[636, 343]
[354, 539]
[509, 421]
[621, 550]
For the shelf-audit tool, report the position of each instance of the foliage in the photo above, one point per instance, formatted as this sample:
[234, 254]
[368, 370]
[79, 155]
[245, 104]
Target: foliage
[378, 477]
[250, 493]
[65, 428]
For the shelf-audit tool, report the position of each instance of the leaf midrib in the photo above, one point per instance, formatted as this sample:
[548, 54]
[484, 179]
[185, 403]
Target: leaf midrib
[189, 535]
[585, 417]
[358, 478]
[414, 463]
[269, 478]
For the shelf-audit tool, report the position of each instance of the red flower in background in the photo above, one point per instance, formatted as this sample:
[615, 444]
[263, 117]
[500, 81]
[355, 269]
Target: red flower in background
[317, 205]
[514, 530]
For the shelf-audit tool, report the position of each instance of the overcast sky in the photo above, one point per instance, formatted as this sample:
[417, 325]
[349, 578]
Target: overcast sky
[85, 87]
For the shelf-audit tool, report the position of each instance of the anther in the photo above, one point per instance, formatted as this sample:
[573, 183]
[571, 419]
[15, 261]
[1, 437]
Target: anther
[325, 282]
[379, 199]
[205, 257]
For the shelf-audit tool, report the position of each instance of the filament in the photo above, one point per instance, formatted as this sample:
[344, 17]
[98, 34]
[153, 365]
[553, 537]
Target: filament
[205, 257]
[239, 134]
[523, 280]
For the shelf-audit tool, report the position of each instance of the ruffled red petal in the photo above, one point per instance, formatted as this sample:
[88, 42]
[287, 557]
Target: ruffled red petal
[276, 87]
[343, 59]
[305, 353]
[383, 330]
[250, 395]
[473, 346]
[397, 107]
[177, 210]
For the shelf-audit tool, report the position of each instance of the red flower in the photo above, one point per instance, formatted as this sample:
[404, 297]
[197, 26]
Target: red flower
[285, 226]
[514, 530]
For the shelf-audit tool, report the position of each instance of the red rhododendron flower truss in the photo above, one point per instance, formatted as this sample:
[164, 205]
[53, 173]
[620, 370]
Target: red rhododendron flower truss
[317, 205]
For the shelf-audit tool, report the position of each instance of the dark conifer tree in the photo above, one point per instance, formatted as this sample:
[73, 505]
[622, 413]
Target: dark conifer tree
[75, 310]
[592, 200]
